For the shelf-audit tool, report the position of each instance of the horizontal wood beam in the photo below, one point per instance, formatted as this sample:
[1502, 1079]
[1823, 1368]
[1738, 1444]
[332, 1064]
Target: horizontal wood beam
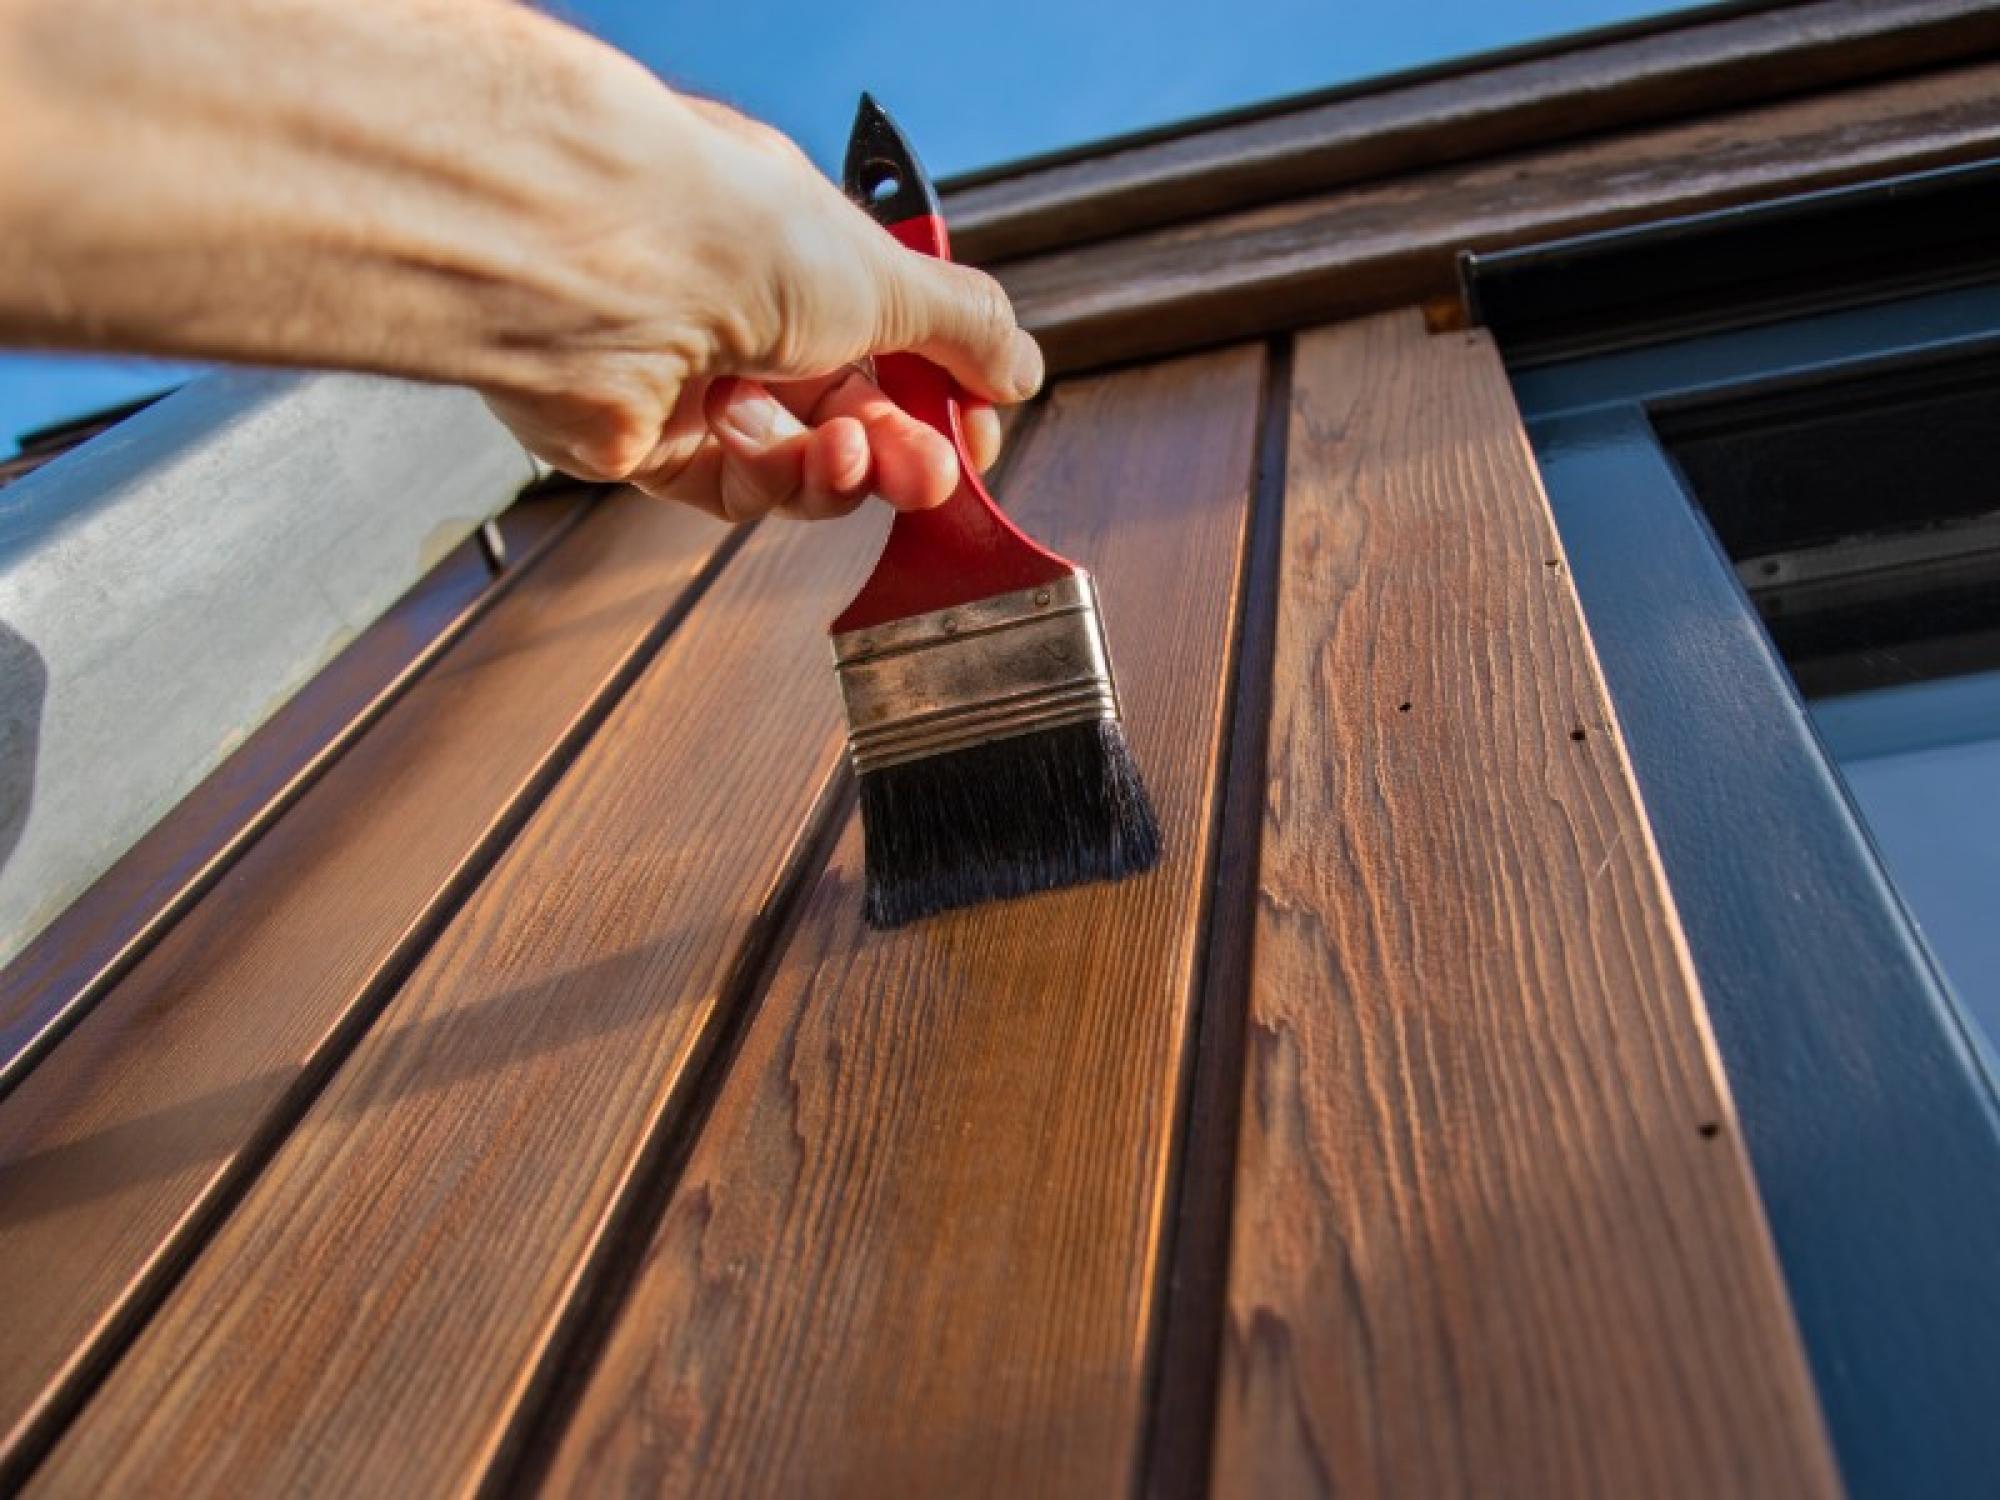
[1389, 127]
[1395, 243]
[168, 585]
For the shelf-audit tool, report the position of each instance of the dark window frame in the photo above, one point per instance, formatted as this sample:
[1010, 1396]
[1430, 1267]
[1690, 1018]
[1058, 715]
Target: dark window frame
[1872, 1122]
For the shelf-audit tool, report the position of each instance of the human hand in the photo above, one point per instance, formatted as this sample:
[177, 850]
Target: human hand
[645, 287]
[723, 366]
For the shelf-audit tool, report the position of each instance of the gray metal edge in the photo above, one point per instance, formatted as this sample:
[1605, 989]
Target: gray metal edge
[167, 585]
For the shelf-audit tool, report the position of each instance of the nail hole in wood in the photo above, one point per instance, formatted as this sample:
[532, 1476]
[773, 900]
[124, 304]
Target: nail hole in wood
[1710, 1129]
[1402, 708]
[1578, 735]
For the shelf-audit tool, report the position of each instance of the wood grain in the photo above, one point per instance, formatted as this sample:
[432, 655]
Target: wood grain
[1393, 244]
[375, 1309]
[74, 959]
[119, 1149]
[916, 1248]
[1391, 127]
[1494, 1229]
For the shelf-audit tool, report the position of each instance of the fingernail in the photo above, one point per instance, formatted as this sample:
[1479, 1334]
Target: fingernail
[850, 460]
[941, 459]
[1028, 368]
[752, 416]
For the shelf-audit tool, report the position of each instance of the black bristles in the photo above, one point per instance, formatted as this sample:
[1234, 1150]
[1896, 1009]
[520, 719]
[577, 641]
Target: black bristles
[1030, 813]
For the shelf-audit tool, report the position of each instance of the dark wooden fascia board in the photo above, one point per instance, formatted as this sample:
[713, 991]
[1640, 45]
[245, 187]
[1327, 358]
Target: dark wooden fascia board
[1513, 102]
[1369, 84]
[1395, 243]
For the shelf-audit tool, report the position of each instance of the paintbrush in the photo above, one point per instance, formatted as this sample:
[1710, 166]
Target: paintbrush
[983, 718]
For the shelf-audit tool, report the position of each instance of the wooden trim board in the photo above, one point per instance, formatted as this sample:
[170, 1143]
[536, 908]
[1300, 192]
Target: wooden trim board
[1872, 1122]
[1396, 243]
[1494, 1230]
[1381, 130]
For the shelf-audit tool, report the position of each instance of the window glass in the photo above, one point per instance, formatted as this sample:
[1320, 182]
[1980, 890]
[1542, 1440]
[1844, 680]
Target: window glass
[1863, 518]
[1923, 764]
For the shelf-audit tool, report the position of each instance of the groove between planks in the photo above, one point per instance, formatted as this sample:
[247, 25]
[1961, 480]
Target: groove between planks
[916, 1249]
[1494, 1232]
[372, 1313]
[119, 1150]
[1185, 1357]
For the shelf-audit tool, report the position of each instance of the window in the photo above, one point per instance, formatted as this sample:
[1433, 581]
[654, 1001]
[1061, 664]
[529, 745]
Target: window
[1771, 442]
[1862, 514]
[1922, 761]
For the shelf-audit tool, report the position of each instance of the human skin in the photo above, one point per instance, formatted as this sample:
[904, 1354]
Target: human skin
[645, 286]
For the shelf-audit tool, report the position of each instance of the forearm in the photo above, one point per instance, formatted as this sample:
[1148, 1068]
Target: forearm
[468, 191]
[180, 177]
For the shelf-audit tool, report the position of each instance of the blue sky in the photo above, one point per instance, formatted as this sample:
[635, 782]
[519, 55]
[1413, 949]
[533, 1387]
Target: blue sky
[985, 84]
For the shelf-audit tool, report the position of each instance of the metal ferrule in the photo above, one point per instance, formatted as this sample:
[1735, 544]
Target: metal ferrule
[1013, 664]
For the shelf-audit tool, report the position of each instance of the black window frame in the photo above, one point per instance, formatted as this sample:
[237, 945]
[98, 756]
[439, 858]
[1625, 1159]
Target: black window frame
[1872, 1122]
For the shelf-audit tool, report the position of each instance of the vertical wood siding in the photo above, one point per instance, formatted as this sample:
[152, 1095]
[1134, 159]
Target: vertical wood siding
[529, 1107]
[916, 1250]
[1494, 1230]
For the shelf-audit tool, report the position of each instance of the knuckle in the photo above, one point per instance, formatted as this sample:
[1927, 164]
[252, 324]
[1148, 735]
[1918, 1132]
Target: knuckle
[896, 316]
[741, 503]
[612, 436]
[602, 420]
[613, 455]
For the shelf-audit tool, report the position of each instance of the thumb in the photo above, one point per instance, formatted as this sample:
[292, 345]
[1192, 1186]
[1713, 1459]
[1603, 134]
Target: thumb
[960, 319]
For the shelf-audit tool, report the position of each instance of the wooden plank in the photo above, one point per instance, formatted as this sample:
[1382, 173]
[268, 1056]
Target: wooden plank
[1395, 243]
[77, 956]
[1387, 127]
[916, 1249]
[119, 1151]
[1494, 1230]
[399, 1279]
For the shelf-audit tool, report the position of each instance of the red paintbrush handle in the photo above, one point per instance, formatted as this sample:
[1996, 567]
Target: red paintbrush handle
[966, 549]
